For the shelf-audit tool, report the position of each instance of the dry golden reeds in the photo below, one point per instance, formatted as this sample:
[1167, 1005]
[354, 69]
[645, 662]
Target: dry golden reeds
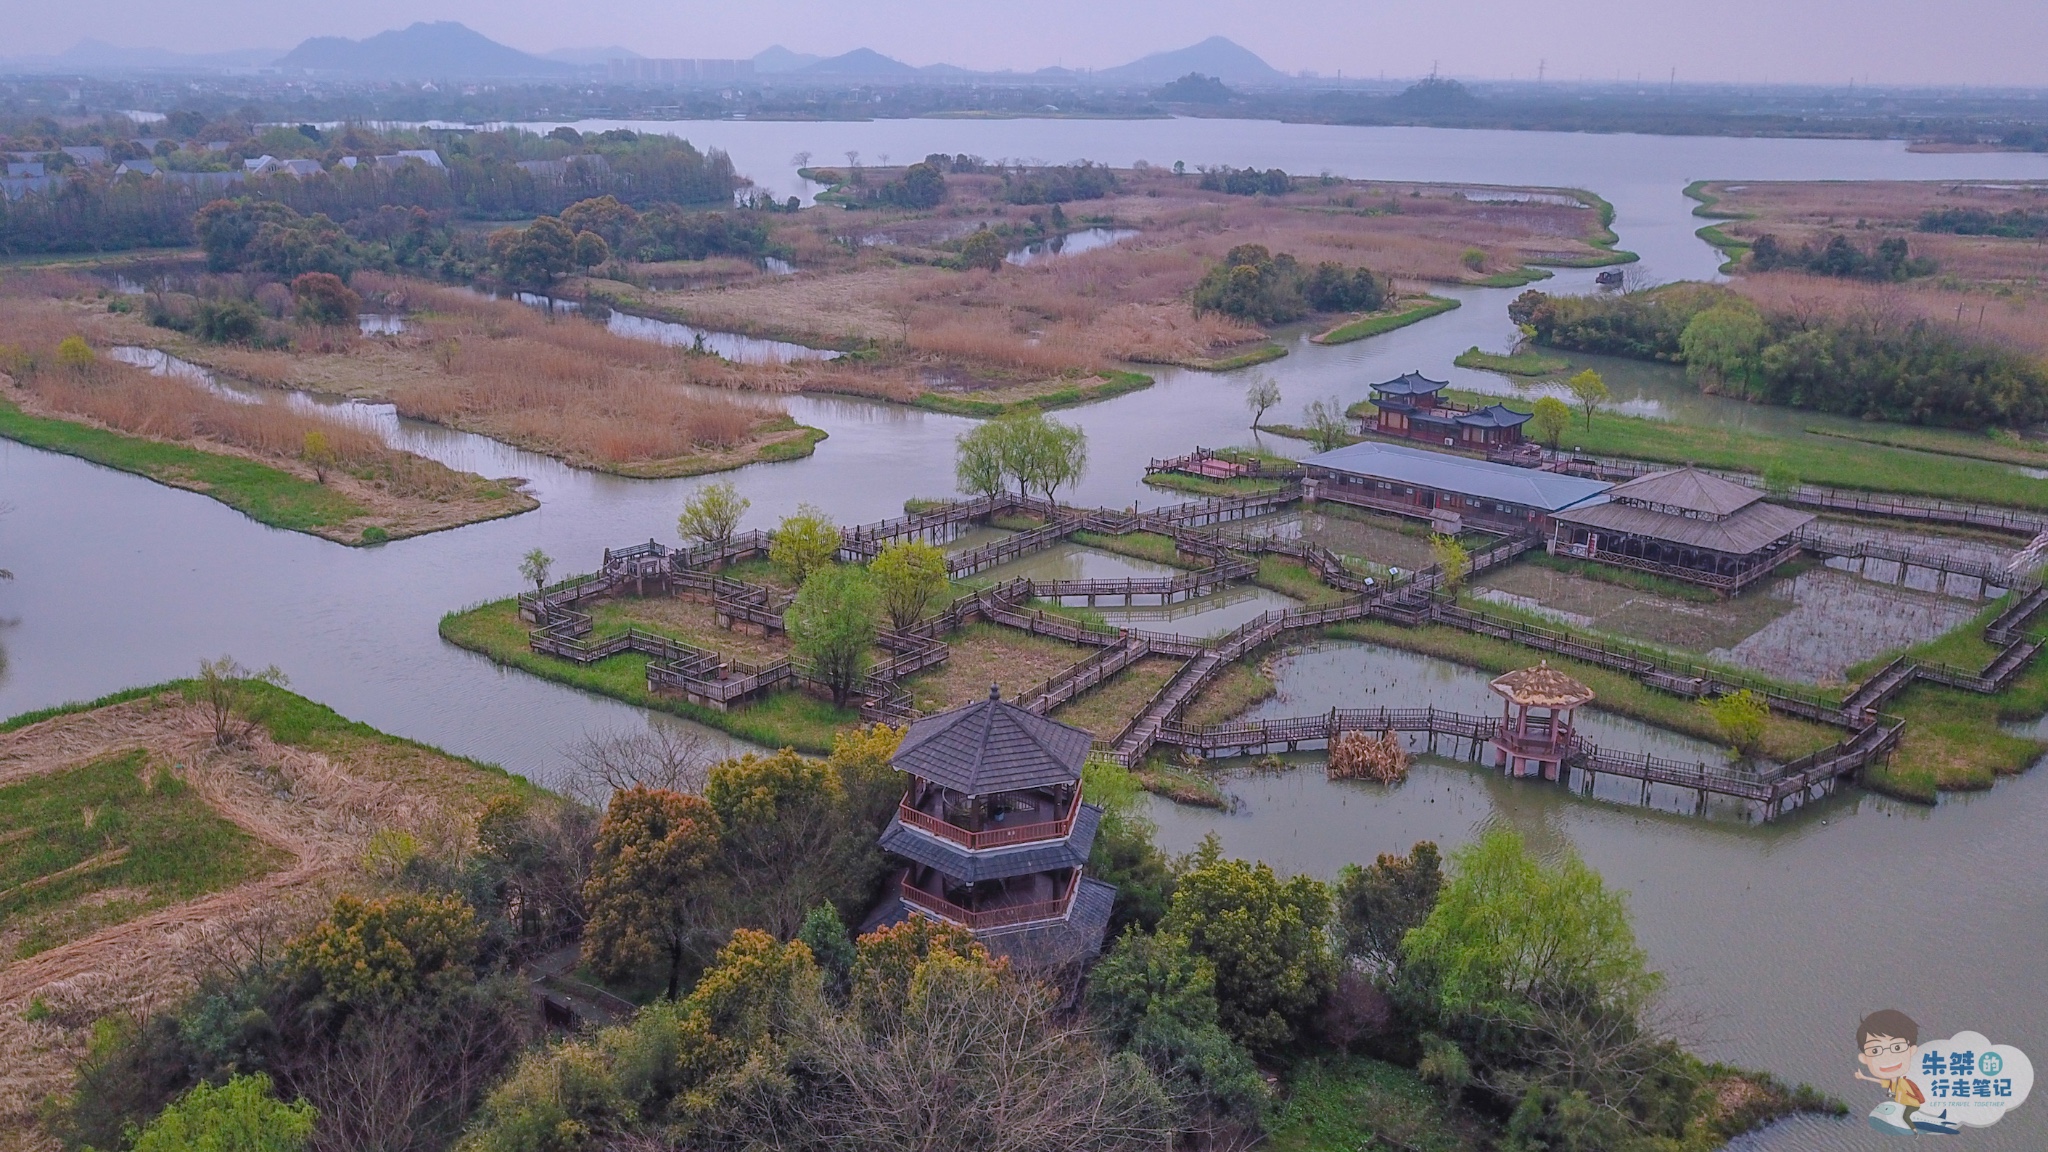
[1360, 756]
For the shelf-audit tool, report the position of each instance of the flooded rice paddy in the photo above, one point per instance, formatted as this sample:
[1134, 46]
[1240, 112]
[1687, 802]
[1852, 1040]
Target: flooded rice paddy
[1810, 625]
[1776, 937]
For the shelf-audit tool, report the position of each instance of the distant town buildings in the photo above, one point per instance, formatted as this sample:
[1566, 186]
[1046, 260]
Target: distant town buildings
[644, 71]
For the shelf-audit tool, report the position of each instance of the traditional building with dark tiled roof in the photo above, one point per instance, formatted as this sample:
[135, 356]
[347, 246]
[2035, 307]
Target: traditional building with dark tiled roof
[995, 835]
[1410, 406]
[1685, 524]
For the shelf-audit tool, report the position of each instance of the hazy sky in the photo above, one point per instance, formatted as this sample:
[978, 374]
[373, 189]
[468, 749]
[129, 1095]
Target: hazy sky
[1820, 41]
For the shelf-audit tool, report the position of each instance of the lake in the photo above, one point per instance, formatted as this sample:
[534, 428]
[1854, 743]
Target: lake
[1777, 938]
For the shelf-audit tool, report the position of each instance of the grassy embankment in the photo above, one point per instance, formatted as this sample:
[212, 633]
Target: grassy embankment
[1258, 353]
[1357, 1102]
[1732, 248]
[265, 494]
[782, 719]
[1045, 397]
[1422, 308]
[1523, 363]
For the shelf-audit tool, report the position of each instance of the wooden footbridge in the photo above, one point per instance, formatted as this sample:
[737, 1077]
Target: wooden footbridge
[564, 629]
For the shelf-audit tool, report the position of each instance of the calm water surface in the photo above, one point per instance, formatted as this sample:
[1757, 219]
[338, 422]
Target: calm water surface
[1778, 937]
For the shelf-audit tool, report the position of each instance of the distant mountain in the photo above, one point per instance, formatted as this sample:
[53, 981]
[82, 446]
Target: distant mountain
[1224, 59]
[421, 52]
[780, 59]
[590, 57]
[98, 55]
[860, 62]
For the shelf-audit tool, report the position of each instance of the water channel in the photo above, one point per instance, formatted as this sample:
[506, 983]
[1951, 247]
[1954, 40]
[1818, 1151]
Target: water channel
[1776, 938]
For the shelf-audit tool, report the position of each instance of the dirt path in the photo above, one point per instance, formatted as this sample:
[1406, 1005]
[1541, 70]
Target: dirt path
[297, 800]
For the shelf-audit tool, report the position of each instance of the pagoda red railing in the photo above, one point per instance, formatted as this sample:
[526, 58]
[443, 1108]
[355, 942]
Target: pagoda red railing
[1016, 914]
[992, 837]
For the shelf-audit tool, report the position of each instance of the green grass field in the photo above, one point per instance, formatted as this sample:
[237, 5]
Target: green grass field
[106, 842]
[1815, 460]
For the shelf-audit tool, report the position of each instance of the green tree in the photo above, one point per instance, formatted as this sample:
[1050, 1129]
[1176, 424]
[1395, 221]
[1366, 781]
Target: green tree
[825, 934]
[1266, 938]
[371, 953]
[712, 514]
[1261, 397]
[1049, 455]
[1742, 717]
[74, 355]
[983, 250]
[647, 888]
[831, 624]
[533, 256]
[316, 451]
[322, 298]
[805, 542]
[1551, 418]
[1453, 558]
[1377, 906]
[908, 576]
[1326, 424]
[1508, 927]
[534, 566]
[242, 1115]
[1590, 391]
[589, 250]
[785, 841]
[1154, 996]
[978, 463]
[1724, 344]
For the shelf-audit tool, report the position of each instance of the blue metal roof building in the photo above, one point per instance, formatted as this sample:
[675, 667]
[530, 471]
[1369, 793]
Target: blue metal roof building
[1447, 490]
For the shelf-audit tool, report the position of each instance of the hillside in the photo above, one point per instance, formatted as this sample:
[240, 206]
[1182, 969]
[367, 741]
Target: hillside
[441, 49]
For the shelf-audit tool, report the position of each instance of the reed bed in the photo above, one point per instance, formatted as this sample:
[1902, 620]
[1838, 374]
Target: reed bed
[2015, 319]
[564, 384]
[132, 400]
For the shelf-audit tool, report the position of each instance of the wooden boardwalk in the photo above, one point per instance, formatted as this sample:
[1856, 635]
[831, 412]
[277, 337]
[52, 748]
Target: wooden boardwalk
[564, 630]
[1774, 790]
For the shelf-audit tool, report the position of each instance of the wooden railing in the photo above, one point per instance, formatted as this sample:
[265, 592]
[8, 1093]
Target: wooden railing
[992, 837]
[1016, 915]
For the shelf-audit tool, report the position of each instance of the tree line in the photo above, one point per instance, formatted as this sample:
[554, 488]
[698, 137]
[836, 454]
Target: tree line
[91, 210]
[1888, 259]
[1917, 371]
[2011, 224]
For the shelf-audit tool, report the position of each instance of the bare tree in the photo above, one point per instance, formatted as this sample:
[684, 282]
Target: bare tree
[233, 696]
[403, 1079]
[670, 757]
[975, 1065]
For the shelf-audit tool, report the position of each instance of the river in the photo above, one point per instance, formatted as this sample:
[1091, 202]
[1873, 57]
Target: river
[1777, 938]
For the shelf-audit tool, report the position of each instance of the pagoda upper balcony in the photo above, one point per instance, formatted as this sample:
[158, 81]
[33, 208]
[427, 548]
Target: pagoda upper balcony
[998, 822]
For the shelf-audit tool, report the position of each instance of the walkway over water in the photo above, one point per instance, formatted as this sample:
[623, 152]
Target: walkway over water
[563, 630]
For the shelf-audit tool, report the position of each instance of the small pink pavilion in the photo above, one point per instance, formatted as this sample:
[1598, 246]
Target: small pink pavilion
[1535, 732]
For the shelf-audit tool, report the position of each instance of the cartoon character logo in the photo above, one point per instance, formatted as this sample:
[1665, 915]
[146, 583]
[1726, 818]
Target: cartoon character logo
[1938, 1087]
